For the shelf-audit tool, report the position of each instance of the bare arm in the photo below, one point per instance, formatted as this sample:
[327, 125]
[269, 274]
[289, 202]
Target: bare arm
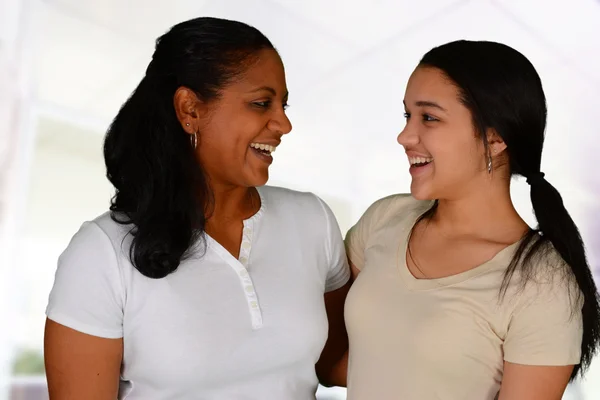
[332, 368]
[532, 382]
[336, 346]
[355, 271]
[80, 366]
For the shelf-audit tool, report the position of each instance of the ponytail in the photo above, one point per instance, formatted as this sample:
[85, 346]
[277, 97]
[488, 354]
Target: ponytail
[556, 229]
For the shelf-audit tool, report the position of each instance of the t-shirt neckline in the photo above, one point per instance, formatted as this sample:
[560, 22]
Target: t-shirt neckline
[499, 260]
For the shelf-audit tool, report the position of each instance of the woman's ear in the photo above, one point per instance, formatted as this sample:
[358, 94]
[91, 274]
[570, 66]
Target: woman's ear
[190, 110]
[495, 142]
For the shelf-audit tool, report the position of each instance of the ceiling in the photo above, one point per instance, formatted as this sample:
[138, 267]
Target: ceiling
[93, 53]
[347, 64]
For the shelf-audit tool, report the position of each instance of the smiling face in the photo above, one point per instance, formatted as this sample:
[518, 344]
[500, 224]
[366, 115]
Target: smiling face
[447, 156]
[239, 130]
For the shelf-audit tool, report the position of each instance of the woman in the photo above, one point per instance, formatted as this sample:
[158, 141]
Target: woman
[200, 282]
[455, 296]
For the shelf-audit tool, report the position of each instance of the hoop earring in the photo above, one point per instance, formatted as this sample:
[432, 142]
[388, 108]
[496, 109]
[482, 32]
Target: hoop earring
[194, 140]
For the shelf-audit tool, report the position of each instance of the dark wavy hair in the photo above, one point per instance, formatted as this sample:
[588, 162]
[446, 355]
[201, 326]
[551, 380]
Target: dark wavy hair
[503, 91]
[160, 187]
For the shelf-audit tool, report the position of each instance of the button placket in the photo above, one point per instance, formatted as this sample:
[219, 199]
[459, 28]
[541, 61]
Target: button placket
[240, 265]
[248, 285]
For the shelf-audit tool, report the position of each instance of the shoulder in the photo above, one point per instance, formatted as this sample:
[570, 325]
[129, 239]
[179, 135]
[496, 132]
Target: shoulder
[550, 279]
[89, 290]
[281, 193]
[305, 210]
[381, 220]
[108, 224]
[545, 324]
[548, 268]
[102, 236]
[279, 198]
[393, 206]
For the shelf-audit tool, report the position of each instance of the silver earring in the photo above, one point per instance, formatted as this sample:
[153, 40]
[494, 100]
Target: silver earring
[187, 124]
[194, 140]
[489, 164]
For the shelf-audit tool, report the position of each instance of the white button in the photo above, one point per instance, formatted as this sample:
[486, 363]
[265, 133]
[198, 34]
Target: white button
[249, 289]
[243, 260]
[245, 245]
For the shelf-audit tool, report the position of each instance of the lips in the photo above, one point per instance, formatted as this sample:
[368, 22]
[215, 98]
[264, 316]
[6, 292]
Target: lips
[262, 155]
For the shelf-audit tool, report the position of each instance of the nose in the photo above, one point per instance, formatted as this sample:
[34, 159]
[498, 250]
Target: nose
[408, 137]
[280, 123]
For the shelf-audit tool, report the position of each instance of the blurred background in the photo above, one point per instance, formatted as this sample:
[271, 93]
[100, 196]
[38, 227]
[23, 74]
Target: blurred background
[67, 65]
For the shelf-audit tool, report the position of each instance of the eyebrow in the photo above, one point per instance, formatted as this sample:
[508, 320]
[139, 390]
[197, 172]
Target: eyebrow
[270, 90]
[426, 103]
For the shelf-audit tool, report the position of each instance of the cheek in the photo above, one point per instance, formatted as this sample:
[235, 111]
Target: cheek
[212, 145]
[216, 150]
[230, 131]
[226, 145]
[456, 154]
[222, 136]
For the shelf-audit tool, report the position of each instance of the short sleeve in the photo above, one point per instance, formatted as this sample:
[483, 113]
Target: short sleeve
[546, 327]
[356, 237]
[338, 273]
[355, 242]
[87, 294]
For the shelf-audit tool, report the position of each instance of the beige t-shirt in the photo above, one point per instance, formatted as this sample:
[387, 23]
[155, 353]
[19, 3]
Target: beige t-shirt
[447, 338]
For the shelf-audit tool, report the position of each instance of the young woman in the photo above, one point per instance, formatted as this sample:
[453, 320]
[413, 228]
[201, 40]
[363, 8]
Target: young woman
[456, 297]
[200, 283]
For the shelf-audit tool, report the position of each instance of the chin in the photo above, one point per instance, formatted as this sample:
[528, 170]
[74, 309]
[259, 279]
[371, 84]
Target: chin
[260, 183]
[421, 192]
[259, 179]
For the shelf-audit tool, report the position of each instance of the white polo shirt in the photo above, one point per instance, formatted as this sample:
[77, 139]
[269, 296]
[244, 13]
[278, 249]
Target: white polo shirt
[218, 327]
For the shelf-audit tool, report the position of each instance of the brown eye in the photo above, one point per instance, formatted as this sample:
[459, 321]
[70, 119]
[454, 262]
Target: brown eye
[262, 104]
[429, 118]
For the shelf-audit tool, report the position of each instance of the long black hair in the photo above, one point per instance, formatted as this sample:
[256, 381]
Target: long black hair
[161, 189]
[503, 91]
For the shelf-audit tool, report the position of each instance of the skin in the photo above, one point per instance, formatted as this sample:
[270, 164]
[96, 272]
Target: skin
[337, 373]
[79, 365]
[475, 218]
[250, 109]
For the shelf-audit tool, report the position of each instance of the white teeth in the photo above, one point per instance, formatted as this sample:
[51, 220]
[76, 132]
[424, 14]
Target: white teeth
[264, 147]
[419, 160]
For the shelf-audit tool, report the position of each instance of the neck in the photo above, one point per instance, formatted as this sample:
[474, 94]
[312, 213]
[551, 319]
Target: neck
[484, 212]
[233, 202]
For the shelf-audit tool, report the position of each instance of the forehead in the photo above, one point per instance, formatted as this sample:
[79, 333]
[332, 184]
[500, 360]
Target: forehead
[430, 84]
[266, 70]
